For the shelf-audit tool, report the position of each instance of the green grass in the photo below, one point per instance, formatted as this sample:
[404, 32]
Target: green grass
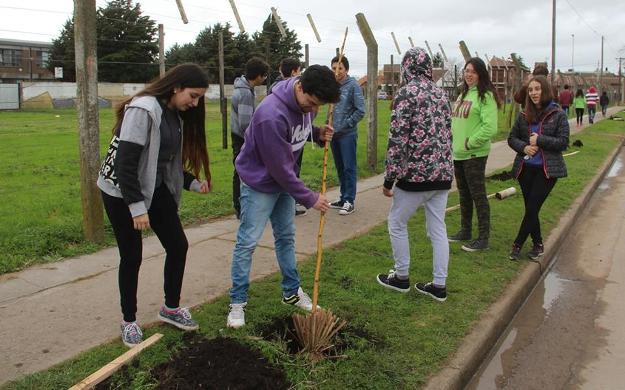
[415, 334]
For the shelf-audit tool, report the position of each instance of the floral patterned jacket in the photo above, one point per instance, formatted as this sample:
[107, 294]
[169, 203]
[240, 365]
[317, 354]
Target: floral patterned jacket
[419, 153]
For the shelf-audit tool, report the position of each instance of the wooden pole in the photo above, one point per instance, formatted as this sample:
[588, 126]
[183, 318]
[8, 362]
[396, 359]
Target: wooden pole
[183, 14]
[88, 117]
[553, 43]
[411, 42]
[108, 370]
[306, 55]
[161, 50]
[466, 54]
[396, 44]
[324, 174]
[372, 90]
[276, 18]
[443, 51]
[392, 78]
[429, 50]
[222, 95]
[236, 15]
[312, 24]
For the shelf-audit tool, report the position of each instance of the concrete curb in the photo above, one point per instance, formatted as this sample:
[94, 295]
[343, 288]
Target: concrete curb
[485, 333]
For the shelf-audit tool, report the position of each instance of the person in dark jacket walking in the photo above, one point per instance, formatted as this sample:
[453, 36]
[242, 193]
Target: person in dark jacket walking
[243, 105]
[604, 101]
[539, 136]
[158, 133]
[419, 164]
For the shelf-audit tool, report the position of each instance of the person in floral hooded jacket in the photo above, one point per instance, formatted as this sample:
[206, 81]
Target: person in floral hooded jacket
[419, 165]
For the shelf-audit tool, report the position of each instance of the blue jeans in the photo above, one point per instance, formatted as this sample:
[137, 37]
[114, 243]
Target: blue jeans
[591, 114]
[256, 209]
[344, 152]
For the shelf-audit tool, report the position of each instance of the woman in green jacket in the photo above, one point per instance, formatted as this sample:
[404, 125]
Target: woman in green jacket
[474, 123]
[579, 103]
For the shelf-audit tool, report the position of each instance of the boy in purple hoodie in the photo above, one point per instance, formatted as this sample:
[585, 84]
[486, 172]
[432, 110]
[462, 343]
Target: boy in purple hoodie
[269, 185]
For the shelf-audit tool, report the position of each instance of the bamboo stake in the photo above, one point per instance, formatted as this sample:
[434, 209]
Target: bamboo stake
[322, 220]
[108, 370]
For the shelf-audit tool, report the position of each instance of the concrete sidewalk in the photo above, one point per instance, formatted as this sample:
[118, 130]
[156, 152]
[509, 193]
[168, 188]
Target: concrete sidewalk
[44, 307]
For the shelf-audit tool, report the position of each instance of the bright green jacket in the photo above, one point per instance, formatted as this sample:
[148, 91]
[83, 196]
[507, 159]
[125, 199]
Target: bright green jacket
[579, 102]
[473, 125]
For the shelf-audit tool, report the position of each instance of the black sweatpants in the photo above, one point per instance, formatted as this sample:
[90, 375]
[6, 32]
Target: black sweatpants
[165, 222]
[470, 180]
[579, 113]
[535, 187]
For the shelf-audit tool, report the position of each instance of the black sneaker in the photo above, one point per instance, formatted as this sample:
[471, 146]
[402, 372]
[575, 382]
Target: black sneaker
[393, 282]
[475, 245]
[537, 251]
[337, 204]
[438, 293]
[515, 252]
[347, 208]
[462, 235]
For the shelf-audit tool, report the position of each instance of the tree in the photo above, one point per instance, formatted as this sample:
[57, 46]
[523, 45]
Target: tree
[62, 53]
[272, 46]
[438, 61]
[127, 45]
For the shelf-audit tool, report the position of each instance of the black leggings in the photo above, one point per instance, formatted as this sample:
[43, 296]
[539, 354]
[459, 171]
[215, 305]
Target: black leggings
[580, 115]
[535, 187]
[165, 222]
[470, 180]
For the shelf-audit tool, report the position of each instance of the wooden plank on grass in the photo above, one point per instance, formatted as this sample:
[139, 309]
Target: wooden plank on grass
[115, 365]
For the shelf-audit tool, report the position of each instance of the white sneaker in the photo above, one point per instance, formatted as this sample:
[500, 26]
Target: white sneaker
[301, 300]
[347, 208]
[236, 317]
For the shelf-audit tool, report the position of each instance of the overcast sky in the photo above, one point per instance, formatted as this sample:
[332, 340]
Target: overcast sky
[489, 27]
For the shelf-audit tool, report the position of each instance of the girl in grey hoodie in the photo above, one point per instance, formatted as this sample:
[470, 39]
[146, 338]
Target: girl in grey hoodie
[141, 180]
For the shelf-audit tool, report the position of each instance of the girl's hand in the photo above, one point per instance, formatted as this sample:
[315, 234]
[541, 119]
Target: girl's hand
[533, 139]
[205, 187]
[141, 222]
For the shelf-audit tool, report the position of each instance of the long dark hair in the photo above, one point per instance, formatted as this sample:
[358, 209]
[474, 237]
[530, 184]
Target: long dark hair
[194, 153]
[532, 111]
[484, 84]
[579, 93]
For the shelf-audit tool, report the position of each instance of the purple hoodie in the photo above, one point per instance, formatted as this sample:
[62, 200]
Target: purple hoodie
[273, 142]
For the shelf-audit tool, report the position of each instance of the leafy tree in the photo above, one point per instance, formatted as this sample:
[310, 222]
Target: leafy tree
[127, 45]
[272, 46]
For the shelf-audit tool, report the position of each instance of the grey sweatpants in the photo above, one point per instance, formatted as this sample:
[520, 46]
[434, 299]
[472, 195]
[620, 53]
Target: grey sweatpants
[404, 205]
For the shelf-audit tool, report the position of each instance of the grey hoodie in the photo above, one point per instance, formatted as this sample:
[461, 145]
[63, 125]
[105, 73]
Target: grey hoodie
[143, 130]
[243, 105]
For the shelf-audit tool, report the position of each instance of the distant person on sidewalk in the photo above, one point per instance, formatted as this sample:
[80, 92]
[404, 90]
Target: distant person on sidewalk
[539, 162]
[269, 184]
[592, 98]
[420, 165]
[566, 99]
[604, 101]
[243, 103]
[473, 126]
[580, 104]
[291, 67]
[141, 180]
[347, 113]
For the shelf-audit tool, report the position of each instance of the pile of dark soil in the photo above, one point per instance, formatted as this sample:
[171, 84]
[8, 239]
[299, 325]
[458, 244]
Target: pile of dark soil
[503, 176]
[220, 363]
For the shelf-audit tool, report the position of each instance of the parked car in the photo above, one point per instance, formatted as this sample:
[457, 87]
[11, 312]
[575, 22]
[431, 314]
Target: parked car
[382, 95]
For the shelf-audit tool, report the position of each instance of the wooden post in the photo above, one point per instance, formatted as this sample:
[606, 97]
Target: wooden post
[553, 43]
[443, 52]
[236, 15]
[161, 50]
[518, 81]
[411, 42]
[183, 14]
[396, 44]
[222, 95]
[276, 18]
[306, 55]
[392, 78]
[372, 90]
[312, 24]
[88, 117]
[466, 54]
[429, 50]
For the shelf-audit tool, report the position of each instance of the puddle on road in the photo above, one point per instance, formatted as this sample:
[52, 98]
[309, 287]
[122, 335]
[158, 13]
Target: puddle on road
[528, 321]
[614, 171]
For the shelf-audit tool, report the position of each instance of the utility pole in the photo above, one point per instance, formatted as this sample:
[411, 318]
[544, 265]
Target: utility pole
[573, 54]
[306, 55]
[161, 50]
[620, 80]
[553, 43]
[601, 69]
[85, 46]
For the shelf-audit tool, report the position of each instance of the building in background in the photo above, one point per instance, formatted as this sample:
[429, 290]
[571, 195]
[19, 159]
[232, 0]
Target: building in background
[24, 61]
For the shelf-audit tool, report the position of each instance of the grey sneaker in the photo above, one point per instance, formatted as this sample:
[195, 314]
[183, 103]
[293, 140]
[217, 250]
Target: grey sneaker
[462, 235]
[300, 209]
[236, 316]
[180, 318]
[347, 209]
[475, 245]
[301, 300]
[131, 333]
